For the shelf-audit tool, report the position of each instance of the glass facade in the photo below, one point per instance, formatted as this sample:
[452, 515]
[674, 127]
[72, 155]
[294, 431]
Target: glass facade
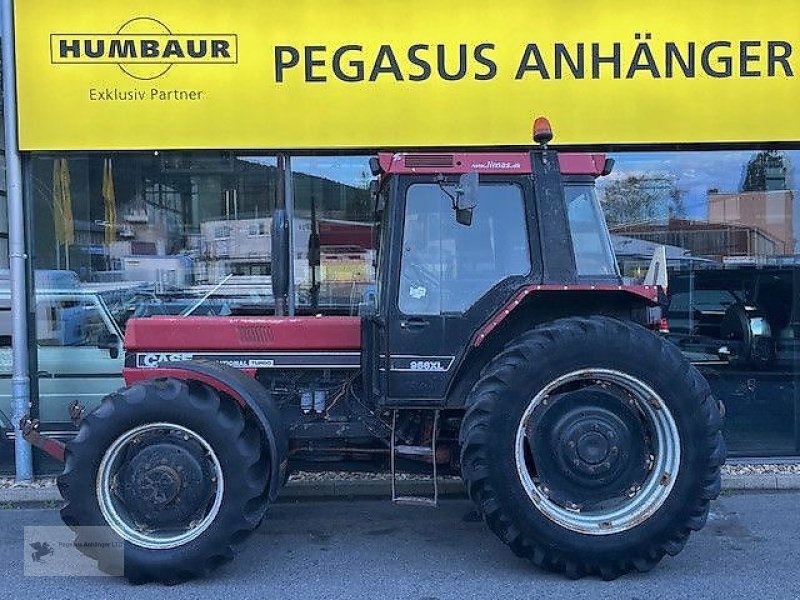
[137, 234]
[334, 249]
[731, 224]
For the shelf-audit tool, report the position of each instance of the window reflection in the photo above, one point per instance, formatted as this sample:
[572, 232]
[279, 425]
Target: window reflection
[731, 225]
[178, 222]
[334, 249]
[147, 233]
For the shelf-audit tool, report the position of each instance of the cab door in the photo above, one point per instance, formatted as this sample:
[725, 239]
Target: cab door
[450, 278]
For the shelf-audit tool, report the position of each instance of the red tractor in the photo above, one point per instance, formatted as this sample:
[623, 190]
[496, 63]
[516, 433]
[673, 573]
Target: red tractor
[500, 344]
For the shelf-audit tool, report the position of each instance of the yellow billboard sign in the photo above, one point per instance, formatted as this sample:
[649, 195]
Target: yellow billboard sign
[338, 74]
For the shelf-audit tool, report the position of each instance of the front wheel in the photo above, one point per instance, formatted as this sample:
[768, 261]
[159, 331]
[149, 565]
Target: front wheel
[592, 447]
[173, 472]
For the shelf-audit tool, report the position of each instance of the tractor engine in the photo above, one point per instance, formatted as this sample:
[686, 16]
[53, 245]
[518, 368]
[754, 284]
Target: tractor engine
[331, 423]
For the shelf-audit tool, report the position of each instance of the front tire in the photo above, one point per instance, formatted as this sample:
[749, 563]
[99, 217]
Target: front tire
[175, 473]
[592, 447]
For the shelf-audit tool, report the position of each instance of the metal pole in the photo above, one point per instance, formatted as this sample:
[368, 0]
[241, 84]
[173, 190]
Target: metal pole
[796, 359]
[288, 197]
[20, 380]
[280, 203]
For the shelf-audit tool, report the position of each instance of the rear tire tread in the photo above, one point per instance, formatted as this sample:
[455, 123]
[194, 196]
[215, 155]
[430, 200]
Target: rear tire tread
[484, 400]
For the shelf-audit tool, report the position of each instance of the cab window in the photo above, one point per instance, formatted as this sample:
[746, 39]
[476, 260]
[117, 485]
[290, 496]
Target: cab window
[446, 267]
[590, 240]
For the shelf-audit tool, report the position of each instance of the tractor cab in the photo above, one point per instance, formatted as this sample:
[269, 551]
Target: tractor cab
[460, 237]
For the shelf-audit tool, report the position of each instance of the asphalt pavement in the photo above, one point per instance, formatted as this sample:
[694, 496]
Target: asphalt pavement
[372, 549]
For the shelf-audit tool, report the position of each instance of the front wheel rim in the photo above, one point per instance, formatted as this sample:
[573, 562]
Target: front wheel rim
[113, 510]
[663, 463]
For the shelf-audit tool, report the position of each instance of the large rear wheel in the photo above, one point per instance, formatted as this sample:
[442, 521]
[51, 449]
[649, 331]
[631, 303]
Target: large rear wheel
[175, 473]
[592, 447]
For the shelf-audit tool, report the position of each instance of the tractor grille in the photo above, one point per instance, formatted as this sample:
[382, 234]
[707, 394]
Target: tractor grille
[255, 334]
[429, 160]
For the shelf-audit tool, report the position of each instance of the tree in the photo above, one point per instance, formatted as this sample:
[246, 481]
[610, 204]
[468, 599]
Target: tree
[640, 199]
[765, 171]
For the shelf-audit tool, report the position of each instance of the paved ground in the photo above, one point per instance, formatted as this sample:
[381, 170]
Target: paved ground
[336, 484]
[368, 549]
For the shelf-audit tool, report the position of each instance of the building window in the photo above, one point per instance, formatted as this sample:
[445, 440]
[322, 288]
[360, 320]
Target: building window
[257, 229]
[158, 232]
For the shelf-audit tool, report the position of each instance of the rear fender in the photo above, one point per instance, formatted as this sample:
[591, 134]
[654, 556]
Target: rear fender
[538, 304]
[250, 395]
[578, 298]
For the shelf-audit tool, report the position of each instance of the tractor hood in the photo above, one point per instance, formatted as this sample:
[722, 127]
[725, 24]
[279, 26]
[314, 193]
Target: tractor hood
[230, 334]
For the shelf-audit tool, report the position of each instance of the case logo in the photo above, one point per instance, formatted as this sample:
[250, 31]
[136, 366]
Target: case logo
[144, 48]
[153, 359]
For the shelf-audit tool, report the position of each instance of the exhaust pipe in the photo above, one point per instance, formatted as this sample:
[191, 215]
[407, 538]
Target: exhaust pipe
[279, 269]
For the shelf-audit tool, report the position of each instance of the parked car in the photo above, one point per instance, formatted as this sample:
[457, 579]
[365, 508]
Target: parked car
[741, 326]
[746, 317]
[79, 330]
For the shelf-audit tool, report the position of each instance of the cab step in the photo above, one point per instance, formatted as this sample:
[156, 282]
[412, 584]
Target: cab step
[415, 501]
[420, 451]
[415, 452]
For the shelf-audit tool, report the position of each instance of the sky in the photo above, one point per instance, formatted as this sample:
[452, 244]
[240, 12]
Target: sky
[697, 172]
[349, 170]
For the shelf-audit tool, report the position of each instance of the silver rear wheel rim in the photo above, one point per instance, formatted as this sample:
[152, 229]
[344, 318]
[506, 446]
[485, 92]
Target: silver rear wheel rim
[640, 506]
[115, 516]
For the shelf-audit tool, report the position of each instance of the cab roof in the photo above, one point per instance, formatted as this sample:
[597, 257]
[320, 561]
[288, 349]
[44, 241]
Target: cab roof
[484, 162]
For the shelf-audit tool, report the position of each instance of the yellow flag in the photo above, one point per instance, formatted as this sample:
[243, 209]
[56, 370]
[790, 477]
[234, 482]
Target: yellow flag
[58, 213]
[62, 202]
[110, 202]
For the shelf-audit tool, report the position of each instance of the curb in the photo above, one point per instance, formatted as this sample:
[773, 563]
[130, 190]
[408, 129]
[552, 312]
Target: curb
[761, 481]
[368, 488]
[350, 489]
[29, 496]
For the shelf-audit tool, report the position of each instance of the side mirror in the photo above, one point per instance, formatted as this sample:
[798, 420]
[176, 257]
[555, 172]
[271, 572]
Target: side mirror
[110, 342]
[464, 216]
[466, 198]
